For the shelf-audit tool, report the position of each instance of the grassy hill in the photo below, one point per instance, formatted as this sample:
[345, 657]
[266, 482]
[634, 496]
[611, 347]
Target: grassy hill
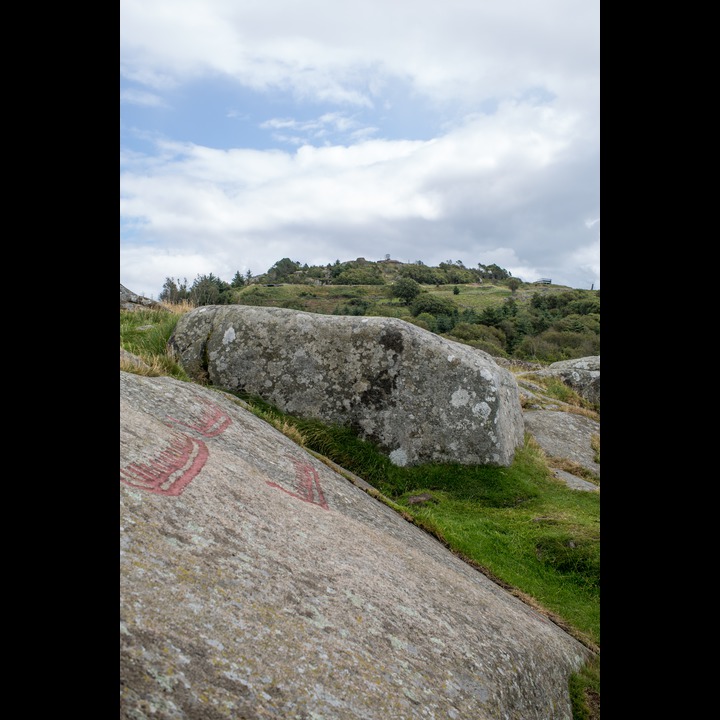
[330, 299]
[539, 323]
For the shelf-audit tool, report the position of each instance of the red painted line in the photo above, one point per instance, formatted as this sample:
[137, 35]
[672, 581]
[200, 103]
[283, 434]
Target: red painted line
[171, 471]
[214, 421]
[307, 484]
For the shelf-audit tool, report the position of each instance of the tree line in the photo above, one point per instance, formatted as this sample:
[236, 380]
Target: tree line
[212, 290]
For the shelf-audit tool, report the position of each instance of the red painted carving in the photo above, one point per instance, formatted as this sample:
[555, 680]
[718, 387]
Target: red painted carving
[171, 471]
[214, 421]
[307, 483]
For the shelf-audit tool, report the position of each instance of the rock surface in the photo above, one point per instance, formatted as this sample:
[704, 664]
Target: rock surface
[257, 582]
[132, 301]
[564, 435]
[419, 397]
[581, 374]
[130, 359]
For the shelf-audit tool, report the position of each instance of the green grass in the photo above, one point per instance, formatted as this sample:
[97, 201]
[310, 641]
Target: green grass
[518, 524]
[325, 298]
[472, 297]
[525, 527]
[585, 691]
[145, 333]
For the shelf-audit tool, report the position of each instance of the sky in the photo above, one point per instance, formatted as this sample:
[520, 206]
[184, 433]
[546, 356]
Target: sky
[325, 130]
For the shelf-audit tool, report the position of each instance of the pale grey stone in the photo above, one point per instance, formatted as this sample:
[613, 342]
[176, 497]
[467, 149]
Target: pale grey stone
[420, 397]
[581, 374]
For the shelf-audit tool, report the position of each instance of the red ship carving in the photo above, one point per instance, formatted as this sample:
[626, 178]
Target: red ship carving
[214, 421]
[171, 471]
[307, 483]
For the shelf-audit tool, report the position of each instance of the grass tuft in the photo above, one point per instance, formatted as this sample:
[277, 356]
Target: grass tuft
[584, 689]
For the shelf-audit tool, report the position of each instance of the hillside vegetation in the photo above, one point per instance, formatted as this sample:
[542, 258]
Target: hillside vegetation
[483, 307]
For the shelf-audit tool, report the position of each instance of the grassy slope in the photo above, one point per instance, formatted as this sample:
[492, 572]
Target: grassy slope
[326, 298]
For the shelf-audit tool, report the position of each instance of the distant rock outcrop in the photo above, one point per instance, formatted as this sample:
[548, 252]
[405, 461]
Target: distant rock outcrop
[131, 301]
[419, 397]
[257, 582]
[581, 374]
[562, 433]
[565, 435]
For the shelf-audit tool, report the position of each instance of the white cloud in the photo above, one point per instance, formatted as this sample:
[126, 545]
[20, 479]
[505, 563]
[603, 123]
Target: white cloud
[511, 179]
[320, 129]
[345, 52]
[233, 201]
[141, 97]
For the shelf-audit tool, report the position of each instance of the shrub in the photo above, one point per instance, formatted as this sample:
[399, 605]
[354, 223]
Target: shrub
[356, 306]
[552, 346]
[405, 289]
[578, 324]
[427, 303]
[426, 321]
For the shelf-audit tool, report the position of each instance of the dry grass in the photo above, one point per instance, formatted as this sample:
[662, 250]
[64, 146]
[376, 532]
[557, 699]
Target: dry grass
[595, 445]
[179, 308]
[573, 468]
[150, 367]
[289, 430]
[558, 393]
[585, 412]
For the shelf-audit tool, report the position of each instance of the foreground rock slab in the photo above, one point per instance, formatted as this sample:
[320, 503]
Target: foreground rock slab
[256, 582]
[419, 397]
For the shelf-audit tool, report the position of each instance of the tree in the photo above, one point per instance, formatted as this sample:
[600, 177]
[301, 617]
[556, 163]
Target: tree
[444, 323]
[173, 291]
[423, 274]
[492, 316]
[513, 284]
[493, 272]
[433, 305]
[405, 289]
[210, 290]
[351, 274]
[238, 280]
[282, 269]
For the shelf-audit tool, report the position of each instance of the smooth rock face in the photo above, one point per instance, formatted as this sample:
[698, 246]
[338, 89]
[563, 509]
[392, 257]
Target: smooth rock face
[419, 397]
[565, 435]
[256, 582]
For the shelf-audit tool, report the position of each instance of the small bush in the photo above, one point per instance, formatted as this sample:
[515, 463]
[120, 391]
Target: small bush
[427, 303]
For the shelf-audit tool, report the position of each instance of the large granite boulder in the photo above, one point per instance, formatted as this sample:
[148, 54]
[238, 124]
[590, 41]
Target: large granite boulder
[257, 582]
[419, 397]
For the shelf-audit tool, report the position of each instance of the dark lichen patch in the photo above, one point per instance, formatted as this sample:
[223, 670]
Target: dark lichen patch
[392, 340]
[379, 394]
